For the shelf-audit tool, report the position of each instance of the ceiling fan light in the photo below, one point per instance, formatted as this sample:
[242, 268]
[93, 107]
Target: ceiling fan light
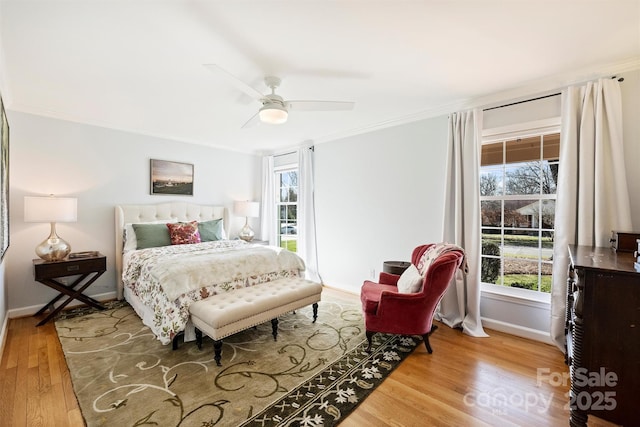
[273, 114]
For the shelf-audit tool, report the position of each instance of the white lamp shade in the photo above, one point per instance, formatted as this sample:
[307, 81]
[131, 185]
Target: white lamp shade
[246, 208]
[50, 209]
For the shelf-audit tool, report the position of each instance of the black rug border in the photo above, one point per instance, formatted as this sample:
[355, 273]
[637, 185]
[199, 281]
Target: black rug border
[388, 341]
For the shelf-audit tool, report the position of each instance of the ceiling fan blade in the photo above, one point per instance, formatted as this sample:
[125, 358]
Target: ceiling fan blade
[320, 105]
[239, 84]
[252, 122]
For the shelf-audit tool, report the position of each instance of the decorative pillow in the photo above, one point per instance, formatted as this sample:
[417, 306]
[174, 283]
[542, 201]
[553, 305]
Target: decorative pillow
[151, 235]
[183, 233]
[211, 230]
[410, 281]
[130, 241]
[427, 259]
[431, 254]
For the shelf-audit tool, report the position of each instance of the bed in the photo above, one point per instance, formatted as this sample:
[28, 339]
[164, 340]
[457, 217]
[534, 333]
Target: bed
[160, 280]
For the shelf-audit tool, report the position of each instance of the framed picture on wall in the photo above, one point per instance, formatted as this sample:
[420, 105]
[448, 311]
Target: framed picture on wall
[4, 181]
[171, 178]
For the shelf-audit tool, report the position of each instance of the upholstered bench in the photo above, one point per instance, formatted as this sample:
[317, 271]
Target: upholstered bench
[225, 314]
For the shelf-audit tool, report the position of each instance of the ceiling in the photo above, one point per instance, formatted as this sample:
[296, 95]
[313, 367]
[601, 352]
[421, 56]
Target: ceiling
[138, 65]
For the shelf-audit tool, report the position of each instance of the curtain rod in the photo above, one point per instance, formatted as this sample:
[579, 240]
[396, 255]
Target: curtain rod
[621, 79]
[521, 102]
[284, 154]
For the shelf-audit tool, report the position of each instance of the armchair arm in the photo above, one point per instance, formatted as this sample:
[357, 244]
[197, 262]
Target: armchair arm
[404, 313]
[388, 279]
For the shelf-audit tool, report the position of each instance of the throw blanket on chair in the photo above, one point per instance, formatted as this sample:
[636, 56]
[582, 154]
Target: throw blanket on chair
[435, 251]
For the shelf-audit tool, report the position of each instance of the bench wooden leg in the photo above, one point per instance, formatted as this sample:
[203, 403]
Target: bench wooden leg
[274, 328]
[199, 338]
[217, 350]
[315, 311]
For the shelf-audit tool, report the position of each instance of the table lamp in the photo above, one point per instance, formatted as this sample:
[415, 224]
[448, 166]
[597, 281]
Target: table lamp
[246, 209]
[51, 209]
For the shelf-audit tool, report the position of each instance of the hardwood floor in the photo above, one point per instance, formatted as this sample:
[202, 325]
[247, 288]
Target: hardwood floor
[466, 381]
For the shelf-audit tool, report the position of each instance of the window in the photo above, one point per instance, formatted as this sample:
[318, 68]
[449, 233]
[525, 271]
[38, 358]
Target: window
[518, 179]
[287, 208]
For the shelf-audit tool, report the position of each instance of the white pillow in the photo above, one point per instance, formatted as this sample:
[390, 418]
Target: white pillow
[410, 281]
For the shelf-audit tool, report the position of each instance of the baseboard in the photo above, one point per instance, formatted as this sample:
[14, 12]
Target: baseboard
[517, 330]
[31, 310]
[338, 289]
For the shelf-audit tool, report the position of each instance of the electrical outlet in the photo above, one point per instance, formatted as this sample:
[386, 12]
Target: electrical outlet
[372, 273]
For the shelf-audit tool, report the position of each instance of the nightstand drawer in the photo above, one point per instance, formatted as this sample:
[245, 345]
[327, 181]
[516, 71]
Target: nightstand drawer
[50, 270]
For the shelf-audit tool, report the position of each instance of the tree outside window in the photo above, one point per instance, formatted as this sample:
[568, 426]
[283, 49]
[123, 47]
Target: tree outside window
[287, 205]
[518, 179]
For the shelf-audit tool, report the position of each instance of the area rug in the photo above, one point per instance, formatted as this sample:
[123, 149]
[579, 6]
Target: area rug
[315, 374]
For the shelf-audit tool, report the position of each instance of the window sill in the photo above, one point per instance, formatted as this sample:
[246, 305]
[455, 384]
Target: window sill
[514, 295]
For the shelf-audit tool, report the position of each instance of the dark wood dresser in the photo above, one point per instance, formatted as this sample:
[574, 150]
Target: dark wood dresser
[603, 335]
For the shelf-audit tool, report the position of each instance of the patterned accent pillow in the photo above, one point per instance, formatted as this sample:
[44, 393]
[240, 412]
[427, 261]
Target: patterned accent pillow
[430, 255]
[182, 233]
[423, 263]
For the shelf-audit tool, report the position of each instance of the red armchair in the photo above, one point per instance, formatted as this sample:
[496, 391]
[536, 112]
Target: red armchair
[386, 310]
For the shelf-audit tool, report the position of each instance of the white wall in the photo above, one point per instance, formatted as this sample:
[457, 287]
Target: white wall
[378, 196]
[102, 168]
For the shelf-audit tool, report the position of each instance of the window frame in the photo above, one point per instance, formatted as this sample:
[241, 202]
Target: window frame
[505, 133]
[277, 171]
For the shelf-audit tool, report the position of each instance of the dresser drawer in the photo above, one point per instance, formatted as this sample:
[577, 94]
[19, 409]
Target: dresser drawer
[624, 241]
[50, 270]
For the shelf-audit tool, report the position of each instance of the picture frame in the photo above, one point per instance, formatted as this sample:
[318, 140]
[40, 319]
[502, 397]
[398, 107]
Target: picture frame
[174, 178]
[4, 181]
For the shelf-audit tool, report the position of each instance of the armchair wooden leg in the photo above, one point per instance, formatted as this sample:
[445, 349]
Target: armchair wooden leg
[369, 336]
[426, 339]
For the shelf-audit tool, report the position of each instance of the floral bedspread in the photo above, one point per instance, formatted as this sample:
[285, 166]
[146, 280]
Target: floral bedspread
[168, 279]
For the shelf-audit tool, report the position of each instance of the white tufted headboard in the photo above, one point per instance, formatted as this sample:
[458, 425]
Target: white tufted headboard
[173, 211]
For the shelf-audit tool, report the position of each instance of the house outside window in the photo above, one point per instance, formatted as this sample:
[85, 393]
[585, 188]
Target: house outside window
[518, 177]
[287, 207]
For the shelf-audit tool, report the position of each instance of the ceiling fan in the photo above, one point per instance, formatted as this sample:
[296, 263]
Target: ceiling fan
[275, 109]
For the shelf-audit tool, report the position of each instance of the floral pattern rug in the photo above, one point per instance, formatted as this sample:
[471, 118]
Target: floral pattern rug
[315, 374]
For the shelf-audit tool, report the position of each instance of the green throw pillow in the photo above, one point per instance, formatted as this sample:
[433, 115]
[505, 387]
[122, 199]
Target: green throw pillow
[151, 235]
[210, 230]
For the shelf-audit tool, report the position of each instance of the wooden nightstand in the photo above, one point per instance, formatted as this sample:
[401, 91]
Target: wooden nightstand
[88, 269]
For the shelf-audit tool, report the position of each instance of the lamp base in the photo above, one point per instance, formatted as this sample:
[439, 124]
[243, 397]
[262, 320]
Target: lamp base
[53, 248]
[246, 233]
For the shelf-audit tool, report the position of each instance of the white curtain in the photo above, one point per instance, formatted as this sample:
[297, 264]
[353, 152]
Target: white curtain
[460, 306]
[592, 195]
[307, 214]
[267, 214]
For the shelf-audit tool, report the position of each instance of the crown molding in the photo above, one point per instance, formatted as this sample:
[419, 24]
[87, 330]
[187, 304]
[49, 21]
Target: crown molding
[98, 123]
[533, 88]
[536, 87]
